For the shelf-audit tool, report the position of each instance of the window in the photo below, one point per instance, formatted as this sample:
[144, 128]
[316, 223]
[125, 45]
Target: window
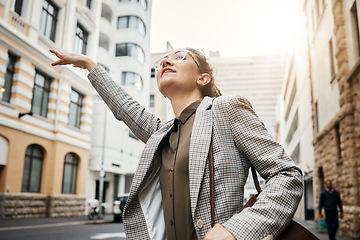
[132, 22]
[71, 164]
[143, 3]
[338, 142]
[296, 154]
[10, 69]
[131, 50]
[48, 20]
[128, 181]
[34, 156]
[293, 128]
[4, 146]
[152, 100]
[41, 92]
[291, 101]
[86, 3]
[316, 117]
[355, 29]
[75, 108]
[153, 73]
[80, 40]
[332, 59]
[18, 6]
[132, 79]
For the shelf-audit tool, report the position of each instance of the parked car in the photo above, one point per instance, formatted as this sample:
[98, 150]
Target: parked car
[119, 204]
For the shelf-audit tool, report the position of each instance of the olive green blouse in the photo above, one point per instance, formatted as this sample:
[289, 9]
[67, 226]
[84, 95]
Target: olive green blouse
[174, 177]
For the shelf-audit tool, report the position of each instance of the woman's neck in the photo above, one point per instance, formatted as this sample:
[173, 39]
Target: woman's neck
[180, 103]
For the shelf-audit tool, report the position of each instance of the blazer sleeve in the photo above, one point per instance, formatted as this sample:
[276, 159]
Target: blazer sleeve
[141, 122]
[278, 201]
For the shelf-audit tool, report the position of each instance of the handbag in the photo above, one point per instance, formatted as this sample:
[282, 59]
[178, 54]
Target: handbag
[293, 231]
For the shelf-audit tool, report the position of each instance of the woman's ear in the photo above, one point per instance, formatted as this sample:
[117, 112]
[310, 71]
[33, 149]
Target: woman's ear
[204, 80]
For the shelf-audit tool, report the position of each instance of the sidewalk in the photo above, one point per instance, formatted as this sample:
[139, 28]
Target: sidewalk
[310, 225]
[24, 223]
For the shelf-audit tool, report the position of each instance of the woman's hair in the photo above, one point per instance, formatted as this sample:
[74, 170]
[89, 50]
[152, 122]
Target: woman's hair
[209, 89]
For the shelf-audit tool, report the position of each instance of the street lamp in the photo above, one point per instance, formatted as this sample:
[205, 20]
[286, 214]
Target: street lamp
[102, 171]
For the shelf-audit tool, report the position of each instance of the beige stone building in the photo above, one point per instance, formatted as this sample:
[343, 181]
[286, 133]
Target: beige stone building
[45, 111]
[334, 74]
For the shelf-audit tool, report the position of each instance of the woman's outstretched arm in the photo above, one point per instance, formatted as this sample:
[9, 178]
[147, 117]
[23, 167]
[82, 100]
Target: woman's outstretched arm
[141, 122]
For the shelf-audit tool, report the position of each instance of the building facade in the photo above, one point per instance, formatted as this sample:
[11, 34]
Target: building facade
[45, 111]
[333, 28]
[294, 117]
[123, 51]
[331, 72]
[158, 104]
[258, 78]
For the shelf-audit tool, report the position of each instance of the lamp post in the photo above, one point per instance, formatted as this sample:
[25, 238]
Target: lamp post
[102, 171]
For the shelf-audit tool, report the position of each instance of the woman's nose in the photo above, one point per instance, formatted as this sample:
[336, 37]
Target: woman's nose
[166, 62]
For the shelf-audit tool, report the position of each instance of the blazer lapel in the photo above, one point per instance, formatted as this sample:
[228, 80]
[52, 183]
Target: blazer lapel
[199, 148]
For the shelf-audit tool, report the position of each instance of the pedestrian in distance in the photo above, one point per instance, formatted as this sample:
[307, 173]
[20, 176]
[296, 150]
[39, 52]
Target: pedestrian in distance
[170, 197]
[330, 201]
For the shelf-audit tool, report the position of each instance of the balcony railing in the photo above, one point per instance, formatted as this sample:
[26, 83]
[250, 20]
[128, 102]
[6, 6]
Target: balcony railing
[19, 24]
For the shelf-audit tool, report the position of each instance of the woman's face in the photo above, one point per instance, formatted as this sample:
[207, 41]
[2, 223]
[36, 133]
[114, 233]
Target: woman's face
[177, 73]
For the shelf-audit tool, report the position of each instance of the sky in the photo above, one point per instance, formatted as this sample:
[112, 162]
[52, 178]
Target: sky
[235, 28]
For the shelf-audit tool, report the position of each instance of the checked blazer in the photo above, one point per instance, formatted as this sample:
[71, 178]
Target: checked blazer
[240, 140]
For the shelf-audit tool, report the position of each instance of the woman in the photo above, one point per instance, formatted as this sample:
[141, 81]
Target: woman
[169, 196]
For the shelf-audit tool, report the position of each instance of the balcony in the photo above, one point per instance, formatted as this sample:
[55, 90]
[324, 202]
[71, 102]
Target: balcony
[104, 41]
[105, 27]
[104, 57]
[106, 12]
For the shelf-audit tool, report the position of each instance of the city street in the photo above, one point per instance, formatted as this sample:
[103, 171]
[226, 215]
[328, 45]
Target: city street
[80, 228]
[74, 228]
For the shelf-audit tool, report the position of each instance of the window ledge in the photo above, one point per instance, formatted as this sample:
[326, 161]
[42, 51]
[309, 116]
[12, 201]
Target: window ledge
[7, 104]
[46, 43]
[353, 71]
[333, 79]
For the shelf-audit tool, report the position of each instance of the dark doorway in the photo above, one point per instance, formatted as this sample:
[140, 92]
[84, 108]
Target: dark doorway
[116, 186]
[106, 186]
[309, 199]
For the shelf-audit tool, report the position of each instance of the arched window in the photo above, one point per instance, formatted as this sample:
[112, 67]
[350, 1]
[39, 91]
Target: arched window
[34, 157]
[71, 164]
[132, 79]
[131, 50]
[132, 22]
[4, 146]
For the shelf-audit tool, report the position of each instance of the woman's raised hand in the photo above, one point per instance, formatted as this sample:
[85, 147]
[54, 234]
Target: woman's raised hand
[77, 60]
